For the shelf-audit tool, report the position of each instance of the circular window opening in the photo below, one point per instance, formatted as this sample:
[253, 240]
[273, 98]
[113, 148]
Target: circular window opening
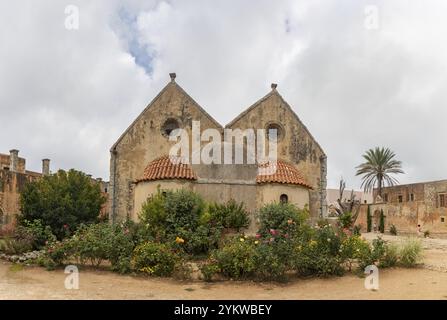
[284, 198]
[169, 126]
[273, 128]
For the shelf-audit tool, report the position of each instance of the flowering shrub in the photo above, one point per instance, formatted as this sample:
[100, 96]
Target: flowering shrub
[237, 258]
[322, 255]
[281, 220]
[154, 259]
[181, 214]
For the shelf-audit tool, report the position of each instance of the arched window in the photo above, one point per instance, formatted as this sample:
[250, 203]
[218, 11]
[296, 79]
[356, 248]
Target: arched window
[169, 126]
[278, 129]
[284, 198]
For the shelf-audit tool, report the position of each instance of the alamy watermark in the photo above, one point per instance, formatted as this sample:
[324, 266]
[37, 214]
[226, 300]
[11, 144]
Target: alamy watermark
[72, 280]
[237, 146]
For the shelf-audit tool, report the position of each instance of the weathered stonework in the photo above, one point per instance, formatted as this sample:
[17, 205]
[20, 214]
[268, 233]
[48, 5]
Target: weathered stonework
[144, 142]
[420, 205]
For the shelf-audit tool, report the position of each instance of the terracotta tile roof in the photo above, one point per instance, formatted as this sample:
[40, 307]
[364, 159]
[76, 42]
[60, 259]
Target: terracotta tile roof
[168, 168]
[280, 172]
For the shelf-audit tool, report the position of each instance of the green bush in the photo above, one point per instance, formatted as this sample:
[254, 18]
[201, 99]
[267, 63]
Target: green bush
[237, 258]
[154, 259]
[181, 214]
[229, 215]
[410, 253]
[345, 220]
[58, 253]
[281, 219]
[103, 241]
[41, 235]
[354, 248]
[273, 260]
[209, 270]
[390, 257]
[356, 231]
[382, 222]
[393, 230]
[62, 201]
[322, 255]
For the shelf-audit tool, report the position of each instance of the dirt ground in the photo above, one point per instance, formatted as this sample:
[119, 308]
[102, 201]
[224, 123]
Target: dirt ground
[427, 282]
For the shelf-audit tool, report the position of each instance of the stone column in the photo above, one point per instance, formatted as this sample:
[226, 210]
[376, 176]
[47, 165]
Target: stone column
[13, 160]
[46, 167]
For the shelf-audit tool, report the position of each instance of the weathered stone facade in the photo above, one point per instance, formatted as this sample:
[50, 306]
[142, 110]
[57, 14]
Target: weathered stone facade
[407, 206]
[145, 140]
[13, 177]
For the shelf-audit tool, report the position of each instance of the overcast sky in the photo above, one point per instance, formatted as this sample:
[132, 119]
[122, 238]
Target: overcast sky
[355, 81]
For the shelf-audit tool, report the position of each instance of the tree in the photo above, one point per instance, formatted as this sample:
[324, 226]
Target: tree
[378, 168]
[62, 201]
[382, 222]
[369, 219]
[347, 210]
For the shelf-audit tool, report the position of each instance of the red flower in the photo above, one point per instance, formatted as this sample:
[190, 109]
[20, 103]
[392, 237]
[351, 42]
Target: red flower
[258, 236]
[65, 226]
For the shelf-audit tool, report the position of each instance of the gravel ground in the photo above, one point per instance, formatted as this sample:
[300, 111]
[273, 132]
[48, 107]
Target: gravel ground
[427, 282]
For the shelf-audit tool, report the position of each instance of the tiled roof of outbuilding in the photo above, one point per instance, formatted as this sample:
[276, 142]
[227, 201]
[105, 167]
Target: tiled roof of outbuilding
[280, 172]
[166, 167]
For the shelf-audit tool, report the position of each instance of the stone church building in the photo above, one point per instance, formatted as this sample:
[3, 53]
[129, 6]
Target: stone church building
[140, 162]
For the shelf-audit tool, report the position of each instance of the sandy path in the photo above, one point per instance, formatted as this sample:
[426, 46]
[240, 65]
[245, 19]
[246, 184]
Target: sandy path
[429, 282]
[37, 283]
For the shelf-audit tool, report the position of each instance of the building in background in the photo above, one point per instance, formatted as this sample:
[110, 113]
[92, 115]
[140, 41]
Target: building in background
[407, 206]
[140, 163]
[14, 177]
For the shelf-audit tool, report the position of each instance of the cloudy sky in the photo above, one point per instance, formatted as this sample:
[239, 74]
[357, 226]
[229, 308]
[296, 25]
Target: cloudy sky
[359, 74]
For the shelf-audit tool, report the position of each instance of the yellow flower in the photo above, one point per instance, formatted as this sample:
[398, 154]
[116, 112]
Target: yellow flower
[242, 239]
[246, 237]
[179, 240]
[256, 242]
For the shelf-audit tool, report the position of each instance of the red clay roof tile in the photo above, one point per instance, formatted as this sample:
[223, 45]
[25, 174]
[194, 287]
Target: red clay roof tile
[168, 168]
[280, 172]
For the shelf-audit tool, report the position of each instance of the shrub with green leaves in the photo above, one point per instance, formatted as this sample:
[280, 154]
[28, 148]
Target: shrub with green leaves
[229, 215]
[393, 230]
[62, 201]
[237, 258]
[390, 257]
[40, 234]
[345, 220]
[281, 219]
[321, 255]
[410, 253]
[181, 214]
[155, 259]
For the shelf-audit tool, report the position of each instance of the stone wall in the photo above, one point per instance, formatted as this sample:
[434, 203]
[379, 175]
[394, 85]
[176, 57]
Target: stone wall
[423, 210]
[144, 141]
[11, 185]
[295, 144]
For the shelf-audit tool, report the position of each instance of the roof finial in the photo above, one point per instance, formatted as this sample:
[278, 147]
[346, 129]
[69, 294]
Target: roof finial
[274, 85]
[172, 75]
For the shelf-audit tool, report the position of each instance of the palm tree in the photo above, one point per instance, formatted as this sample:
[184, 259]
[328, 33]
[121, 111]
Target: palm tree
[377, 169]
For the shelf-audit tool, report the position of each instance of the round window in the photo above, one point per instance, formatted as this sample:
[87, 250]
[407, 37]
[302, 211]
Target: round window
[169, 126]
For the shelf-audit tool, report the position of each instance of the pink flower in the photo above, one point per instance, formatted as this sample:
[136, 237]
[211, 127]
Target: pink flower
[273, 232]
[286, 235]
[65, 226]
[258, 236]
[126, 231]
